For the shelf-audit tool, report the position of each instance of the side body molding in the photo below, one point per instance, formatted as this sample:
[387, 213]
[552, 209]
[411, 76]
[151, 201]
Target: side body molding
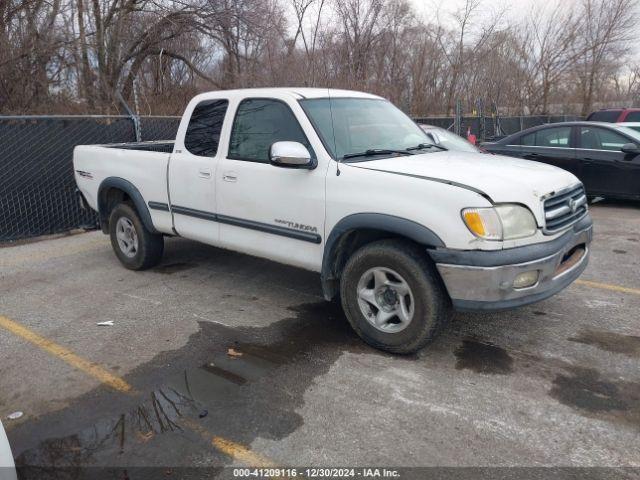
[130, 189]
[332, 262]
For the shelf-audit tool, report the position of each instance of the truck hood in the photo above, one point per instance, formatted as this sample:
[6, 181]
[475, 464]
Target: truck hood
[503, 179]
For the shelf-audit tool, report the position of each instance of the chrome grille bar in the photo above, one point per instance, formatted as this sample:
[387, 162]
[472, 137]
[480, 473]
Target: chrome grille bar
[564, 208]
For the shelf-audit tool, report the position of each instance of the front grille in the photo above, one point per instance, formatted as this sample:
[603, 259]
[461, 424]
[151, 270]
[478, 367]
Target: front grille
[564, 208]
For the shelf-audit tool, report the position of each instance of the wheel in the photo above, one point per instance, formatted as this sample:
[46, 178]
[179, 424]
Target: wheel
[135, 246]
[393, 297]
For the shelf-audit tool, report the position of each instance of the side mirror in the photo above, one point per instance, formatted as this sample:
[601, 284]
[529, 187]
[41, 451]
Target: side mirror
[630, 148]
[290, 155]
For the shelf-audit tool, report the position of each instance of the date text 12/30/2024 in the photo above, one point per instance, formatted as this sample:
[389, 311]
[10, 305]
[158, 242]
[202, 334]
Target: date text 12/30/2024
[315, 472]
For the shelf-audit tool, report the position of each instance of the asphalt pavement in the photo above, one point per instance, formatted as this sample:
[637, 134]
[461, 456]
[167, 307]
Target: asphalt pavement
[217, 359]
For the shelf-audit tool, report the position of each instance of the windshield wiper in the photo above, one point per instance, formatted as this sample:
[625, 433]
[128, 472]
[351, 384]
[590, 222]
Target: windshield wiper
[375, 151]
[427, 145]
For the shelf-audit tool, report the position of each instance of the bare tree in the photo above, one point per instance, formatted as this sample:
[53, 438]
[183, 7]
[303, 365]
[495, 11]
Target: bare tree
[78, 56]
[547, 38]
[361, 28]
[605, 33]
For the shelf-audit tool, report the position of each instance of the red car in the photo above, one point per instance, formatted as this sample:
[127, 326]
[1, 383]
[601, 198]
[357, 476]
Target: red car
[615, 115]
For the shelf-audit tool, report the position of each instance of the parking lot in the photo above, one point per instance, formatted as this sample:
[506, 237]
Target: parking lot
[219, 359]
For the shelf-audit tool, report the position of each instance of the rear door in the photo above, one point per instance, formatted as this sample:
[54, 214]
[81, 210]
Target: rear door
[607, 170]
[552, 145]
[192, 170]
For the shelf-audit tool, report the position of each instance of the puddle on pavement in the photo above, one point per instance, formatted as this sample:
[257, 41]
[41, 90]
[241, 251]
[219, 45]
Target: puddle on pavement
[252, 393]
[186, 396]
[170, 268]
[159, 413]
[482, 357]
[584, 390]
[610, 341]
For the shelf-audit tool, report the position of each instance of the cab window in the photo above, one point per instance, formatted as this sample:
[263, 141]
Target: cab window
[258, 124]
[205, 125]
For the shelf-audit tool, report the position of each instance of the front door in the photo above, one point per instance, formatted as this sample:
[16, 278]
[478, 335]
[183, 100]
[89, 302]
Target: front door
[192, 171]
[607, 170]
[266, 210]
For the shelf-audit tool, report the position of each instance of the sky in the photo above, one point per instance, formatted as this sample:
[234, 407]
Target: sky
[514, 7]
[514, 10]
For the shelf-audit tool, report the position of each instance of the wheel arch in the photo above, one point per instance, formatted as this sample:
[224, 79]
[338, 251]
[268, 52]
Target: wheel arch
[113, 190]
[354, 231]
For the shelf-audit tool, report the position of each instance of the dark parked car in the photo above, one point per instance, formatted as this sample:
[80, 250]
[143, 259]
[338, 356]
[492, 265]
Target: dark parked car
[615, 115]
[604, 156]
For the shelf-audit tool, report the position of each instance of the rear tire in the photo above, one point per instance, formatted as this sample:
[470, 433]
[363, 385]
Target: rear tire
[393, 296]
[135, 246]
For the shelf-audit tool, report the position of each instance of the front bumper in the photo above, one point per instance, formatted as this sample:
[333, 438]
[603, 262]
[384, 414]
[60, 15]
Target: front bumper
[483, 280]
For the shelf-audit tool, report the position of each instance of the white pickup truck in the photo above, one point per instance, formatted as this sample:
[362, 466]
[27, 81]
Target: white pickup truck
[344, 184]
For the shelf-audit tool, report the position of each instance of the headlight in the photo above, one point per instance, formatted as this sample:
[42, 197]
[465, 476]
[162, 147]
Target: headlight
[517, 221]
[502, 222]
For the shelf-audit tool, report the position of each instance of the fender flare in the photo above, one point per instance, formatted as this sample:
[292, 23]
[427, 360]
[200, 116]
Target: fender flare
[135, 195]
[374, 221]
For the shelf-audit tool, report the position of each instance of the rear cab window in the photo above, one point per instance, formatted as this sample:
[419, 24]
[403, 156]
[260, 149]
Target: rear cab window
[203, 132]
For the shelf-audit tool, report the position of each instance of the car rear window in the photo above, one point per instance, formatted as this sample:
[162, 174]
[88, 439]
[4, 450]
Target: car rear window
[610, 116]
[558, 137]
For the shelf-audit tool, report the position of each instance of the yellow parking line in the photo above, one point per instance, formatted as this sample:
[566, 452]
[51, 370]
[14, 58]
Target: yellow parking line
[227, 447]
[240, 452]
[65, 355]
[607, 286]
[232, 449]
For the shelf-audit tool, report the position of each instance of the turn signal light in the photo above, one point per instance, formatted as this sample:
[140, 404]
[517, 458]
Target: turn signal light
[474, 221]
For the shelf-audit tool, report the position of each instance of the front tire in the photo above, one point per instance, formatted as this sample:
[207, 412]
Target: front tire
[135, 246]
[393, 297]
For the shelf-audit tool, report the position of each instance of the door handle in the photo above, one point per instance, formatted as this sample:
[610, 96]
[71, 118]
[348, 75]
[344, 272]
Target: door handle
[229, 177]
[532, 155]
[204, 173]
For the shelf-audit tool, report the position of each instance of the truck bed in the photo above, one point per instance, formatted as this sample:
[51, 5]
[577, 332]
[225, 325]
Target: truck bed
[162, 146]
[142, 164]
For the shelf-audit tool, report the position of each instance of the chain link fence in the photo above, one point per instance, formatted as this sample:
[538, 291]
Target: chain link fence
[487, 128]
[37, 187]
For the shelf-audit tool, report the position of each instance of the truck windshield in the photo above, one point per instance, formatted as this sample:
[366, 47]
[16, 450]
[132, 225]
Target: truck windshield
[358, 129]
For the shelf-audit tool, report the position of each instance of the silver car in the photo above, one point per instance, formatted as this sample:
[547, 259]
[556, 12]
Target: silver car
[449, 140]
